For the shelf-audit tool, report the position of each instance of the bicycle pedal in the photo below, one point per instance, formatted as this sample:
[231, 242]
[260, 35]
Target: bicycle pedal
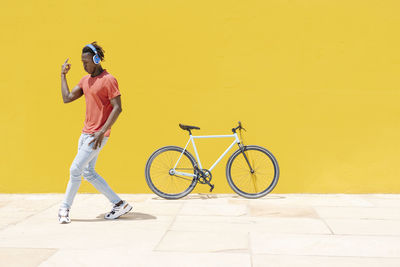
[212, 187]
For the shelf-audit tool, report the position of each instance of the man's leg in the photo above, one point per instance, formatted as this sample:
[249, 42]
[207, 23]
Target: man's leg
[98, 182]
[120, 207]
[85, 154]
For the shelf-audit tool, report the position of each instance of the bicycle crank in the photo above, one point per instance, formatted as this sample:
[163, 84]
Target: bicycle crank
[204, 177]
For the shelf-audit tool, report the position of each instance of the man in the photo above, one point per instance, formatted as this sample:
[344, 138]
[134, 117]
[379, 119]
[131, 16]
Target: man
[103, 106]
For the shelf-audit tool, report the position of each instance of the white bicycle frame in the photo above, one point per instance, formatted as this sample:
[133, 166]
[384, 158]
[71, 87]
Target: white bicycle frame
[191, 139]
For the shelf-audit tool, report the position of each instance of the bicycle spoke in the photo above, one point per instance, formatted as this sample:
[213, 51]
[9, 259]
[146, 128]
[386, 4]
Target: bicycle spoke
[254, 183]
[184, 178]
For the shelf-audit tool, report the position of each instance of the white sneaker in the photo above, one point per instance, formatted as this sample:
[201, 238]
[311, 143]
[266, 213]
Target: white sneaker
[63, 216]
[118, 211]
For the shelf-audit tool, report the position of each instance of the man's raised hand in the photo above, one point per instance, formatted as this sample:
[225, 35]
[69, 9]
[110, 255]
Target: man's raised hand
[65, 67]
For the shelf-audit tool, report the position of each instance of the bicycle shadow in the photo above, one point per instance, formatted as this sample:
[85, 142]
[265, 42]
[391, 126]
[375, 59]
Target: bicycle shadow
[131, 216]
[262, 198]
[193, 196]
[215, 196]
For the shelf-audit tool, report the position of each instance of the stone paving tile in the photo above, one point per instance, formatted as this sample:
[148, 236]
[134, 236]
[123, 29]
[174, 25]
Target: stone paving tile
[22, 207]
[362, 213]
[210, 209]
[278, 210]
[128, 257]
[327, 200]
[364, 227]
[262, 260]
[325, 245]
[315, 200]
[290, 225]
[212, 224]
[25, 207]
[81, 237]
[4, 202]
[24, 257]
[180, 241]
[245, 224]
[383, 200]
[381, 196]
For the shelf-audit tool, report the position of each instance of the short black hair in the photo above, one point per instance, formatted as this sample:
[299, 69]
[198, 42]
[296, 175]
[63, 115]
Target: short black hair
[99, 49]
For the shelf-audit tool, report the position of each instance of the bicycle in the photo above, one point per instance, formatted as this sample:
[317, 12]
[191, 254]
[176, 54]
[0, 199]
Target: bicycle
[172, 172]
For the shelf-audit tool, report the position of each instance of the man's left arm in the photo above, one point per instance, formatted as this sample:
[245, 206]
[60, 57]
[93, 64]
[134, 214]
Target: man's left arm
[117, 109]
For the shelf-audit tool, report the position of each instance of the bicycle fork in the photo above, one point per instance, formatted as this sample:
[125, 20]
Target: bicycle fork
[245, 157]
[241, 147]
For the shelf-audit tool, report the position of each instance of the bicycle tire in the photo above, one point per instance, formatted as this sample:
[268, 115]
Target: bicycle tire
[153, 167]
[240, 163]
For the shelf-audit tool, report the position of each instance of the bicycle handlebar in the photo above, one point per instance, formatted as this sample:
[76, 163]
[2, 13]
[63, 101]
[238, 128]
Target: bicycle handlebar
[240, 127]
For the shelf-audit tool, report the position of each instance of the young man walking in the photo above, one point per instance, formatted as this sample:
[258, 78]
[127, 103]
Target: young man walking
[103, 106]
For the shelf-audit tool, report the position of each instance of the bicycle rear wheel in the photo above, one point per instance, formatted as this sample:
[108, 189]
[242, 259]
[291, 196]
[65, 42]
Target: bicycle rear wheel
[254, 184]
[159, 178]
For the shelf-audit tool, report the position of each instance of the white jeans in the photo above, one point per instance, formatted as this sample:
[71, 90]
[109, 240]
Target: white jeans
[83, 165]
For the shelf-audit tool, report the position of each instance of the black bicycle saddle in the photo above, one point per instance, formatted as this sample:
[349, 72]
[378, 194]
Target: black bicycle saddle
[188, 127]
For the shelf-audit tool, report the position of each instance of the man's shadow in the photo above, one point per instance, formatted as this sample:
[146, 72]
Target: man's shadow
[131, 216]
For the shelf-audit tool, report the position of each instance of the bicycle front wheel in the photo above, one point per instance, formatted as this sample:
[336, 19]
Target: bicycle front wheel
[165, 183]
[256, 181]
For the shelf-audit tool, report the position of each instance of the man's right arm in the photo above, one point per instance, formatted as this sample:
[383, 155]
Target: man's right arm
[68, 96]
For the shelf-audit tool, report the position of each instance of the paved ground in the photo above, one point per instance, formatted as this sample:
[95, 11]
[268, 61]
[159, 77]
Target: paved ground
[203, 230]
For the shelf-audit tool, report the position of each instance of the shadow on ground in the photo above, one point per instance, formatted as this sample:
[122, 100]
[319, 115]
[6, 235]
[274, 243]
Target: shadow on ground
[212, 196]
[132, 216]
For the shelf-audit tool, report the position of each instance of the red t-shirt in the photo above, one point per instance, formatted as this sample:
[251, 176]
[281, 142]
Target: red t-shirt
[98, 92]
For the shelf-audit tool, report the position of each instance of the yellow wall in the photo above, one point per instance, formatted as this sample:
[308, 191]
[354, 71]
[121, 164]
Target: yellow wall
[314, 81]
